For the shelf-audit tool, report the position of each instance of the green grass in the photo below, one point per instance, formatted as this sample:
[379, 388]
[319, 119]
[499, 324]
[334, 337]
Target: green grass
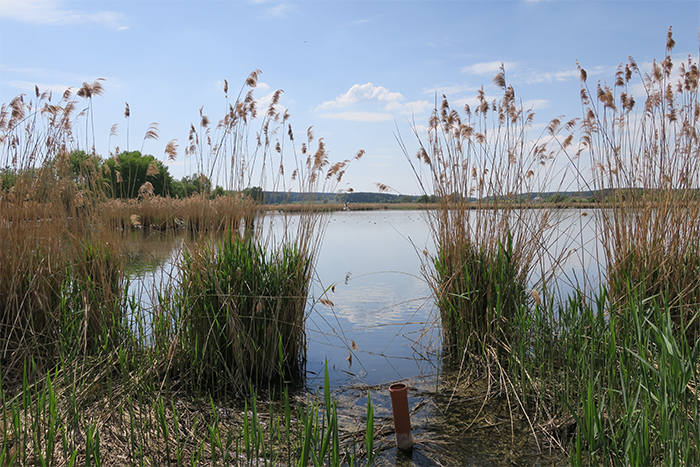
[480, 291]
[242, 312]
[62, 421]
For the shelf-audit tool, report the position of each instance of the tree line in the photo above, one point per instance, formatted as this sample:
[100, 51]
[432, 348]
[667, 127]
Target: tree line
[124, 176]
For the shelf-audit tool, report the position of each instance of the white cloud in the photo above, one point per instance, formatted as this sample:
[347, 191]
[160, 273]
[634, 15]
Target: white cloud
[359, 93]
[29, 87]
[415, 107]
[536, 104]
[264, 102]
[279, 11]
[547, 77]
[360, 22]
[449, 91]
[488, 68]
[47, 12]
[358, 116]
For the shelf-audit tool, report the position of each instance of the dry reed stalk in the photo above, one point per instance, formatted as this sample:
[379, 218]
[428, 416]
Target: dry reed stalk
[646, 165]
[59, 271]
[484, 170]
[249, 324]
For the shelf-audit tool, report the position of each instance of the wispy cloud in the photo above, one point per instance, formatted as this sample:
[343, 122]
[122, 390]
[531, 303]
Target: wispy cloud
[29, 87]
[278, 10]
[549, 76]
[359, 22]
[51, 12]
[536, 104]
[488, 68]
[450, 91]
[387, 102]
[358, 116]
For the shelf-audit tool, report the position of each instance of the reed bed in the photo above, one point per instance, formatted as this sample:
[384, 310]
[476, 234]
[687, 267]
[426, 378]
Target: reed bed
[197, 213]
[243, 313]
[646, 159]
[478, 165]
[608, 377]
[92, 415]
[90, 377]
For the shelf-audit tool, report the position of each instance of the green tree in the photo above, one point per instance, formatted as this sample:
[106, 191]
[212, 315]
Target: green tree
[190, 185]
[129, 171]
[255, 193]
[83, 168]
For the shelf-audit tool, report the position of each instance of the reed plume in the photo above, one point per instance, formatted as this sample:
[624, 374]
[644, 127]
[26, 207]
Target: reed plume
[645, 155]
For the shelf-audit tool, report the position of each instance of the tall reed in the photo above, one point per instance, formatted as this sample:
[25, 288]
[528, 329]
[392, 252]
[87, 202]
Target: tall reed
[645, 155]
[61, 277]
[614, 376]
[485, 172]
[240, 317]
[243, 313]
[86, 372]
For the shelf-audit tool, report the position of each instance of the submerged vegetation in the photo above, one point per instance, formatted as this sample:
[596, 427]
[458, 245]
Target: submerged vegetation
[208, 373]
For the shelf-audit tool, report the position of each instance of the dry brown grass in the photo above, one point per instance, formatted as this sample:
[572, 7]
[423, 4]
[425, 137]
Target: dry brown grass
[487, 246]
[646, 156]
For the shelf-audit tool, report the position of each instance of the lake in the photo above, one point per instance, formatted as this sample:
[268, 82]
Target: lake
[383, 325]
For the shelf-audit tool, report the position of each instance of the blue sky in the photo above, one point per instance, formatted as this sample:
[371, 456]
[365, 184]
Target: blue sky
[355, 70]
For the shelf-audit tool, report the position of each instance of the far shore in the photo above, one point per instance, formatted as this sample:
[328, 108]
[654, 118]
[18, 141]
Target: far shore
[297, 207]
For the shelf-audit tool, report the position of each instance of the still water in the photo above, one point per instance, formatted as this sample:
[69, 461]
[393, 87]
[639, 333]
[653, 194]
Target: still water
[383, 327]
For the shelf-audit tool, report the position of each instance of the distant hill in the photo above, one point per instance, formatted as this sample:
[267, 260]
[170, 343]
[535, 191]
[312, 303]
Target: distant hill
[278, 197]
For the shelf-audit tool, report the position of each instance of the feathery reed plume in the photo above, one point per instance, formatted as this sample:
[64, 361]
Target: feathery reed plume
[171, 150]
[485, 173]
[646, 164]
[234, 335]
[151, 133]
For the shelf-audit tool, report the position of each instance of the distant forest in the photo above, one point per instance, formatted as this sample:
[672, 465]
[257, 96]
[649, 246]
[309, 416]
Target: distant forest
[363, 197]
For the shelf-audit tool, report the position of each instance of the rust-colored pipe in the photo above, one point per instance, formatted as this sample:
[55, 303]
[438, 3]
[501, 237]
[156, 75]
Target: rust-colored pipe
[402, 419]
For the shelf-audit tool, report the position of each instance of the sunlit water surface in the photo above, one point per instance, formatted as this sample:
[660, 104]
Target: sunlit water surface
[383, 325]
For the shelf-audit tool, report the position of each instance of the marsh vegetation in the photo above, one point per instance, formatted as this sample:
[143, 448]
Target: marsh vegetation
[596, 369]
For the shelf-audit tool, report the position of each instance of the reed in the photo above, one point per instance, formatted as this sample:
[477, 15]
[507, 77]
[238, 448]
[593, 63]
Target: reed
[86, 372]
[479, 165]
[243, 311]
[646, 159]
[78, 417]
[614, 375]
[61, 281]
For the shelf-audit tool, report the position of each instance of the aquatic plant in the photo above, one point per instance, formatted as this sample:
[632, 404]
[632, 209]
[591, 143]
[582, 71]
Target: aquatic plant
[485, 173]
[645, 155]
[243, 311]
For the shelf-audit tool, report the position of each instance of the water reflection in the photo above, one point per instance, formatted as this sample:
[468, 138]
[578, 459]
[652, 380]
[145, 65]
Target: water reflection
[372, 262]
[383, 327]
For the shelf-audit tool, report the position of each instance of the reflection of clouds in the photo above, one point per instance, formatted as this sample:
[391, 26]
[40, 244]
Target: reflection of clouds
[377, 299]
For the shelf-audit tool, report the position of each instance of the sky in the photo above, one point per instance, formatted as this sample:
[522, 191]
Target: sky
[359, 72]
